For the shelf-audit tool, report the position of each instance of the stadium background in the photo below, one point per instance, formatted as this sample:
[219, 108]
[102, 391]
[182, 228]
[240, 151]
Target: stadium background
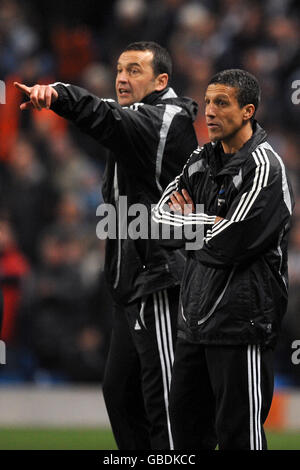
[57, 318]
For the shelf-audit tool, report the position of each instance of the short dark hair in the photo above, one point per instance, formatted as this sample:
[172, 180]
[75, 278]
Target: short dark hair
[248, 89]
[162, 62]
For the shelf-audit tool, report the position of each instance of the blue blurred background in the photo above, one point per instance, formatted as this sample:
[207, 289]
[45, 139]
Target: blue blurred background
[57, 310]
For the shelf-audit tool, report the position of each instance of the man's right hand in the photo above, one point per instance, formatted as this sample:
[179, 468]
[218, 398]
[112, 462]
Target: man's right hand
[41, 96]
[181, 202]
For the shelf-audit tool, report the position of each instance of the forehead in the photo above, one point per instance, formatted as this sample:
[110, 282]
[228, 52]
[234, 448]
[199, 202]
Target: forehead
[219, 89]
[143, 58]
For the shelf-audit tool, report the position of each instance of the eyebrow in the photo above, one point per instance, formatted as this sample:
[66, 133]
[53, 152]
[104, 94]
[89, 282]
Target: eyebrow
[131, 64]
[219, 95]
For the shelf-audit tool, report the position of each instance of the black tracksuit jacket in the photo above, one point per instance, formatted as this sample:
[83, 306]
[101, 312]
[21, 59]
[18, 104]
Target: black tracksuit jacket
[235, 288]
[149, 143]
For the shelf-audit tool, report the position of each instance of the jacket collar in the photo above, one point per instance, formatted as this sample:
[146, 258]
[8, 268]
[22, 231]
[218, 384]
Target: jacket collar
[159, 95]
[234, 163]
[168, 96]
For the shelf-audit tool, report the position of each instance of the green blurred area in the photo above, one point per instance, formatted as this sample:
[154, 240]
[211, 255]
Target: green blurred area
[56, 439]
[100, 439]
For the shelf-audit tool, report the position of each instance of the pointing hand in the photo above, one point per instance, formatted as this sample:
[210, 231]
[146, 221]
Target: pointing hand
[41, 96]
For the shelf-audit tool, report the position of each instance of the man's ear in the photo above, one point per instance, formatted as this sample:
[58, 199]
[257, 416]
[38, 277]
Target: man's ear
[161, 81]
[249, 110]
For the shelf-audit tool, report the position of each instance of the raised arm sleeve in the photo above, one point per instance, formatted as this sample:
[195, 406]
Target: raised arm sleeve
[134, 133]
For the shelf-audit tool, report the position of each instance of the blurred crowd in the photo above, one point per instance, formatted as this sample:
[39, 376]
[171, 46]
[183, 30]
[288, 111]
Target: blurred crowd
[57, 315]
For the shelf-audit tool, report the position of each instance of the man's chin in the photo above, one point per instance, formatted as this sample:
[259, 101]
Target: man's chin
[214, 137]
[125, 101]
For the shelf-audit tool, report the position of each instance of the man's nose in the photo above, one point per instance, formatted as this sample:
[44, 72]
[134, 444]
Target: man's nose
[122, 77]
[210, 111]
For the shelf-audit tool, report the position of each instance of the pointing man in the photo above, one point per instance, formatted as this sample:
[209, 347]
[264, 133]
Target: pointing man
[150, 133]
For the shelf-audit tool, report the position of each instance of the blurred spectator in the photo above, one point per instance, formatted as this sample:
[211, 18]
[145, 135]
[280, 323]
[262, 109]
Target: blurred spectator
[19, 38]
[13, 269]
[27, 195]
[98, 79]
[129, 21]
[74, 50]
[55, 313]
[74, 172]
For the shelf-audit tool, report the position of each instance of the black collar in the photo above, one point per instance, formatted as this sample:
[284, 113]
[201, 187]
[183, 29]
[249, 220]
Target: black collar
[155, 96]
[234, 163]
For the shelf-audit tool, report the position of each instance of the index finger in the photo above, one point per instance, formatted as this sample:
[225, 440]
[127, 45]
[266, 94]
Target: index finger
[25, 89]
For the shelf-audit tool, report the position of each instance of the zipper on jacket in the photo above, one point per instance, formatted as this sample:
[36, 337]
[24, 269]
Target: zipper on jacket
[203, 320]
[116, 197]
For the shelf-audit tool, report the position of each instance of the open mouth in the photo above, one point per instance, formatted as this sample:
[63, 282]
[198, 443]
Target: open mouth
[123, 92]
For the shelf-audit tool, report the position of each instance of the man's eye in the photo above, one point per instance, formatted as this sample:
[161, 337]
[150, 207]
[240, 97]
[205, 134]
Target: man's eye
[134, 71]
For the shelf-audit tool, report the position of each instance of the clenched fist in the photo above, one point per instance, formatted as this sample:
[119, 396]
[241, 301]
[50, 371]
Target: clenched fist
[41, 96]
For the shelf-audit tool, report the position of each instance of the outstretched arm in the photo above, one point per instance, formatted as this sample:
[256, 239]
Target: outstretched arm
[129, 132]
[99, 118]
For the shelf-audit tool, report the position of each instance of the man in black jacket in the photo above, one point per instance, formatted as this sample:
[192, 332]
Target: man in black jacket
[234, 288]
[150, 134]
